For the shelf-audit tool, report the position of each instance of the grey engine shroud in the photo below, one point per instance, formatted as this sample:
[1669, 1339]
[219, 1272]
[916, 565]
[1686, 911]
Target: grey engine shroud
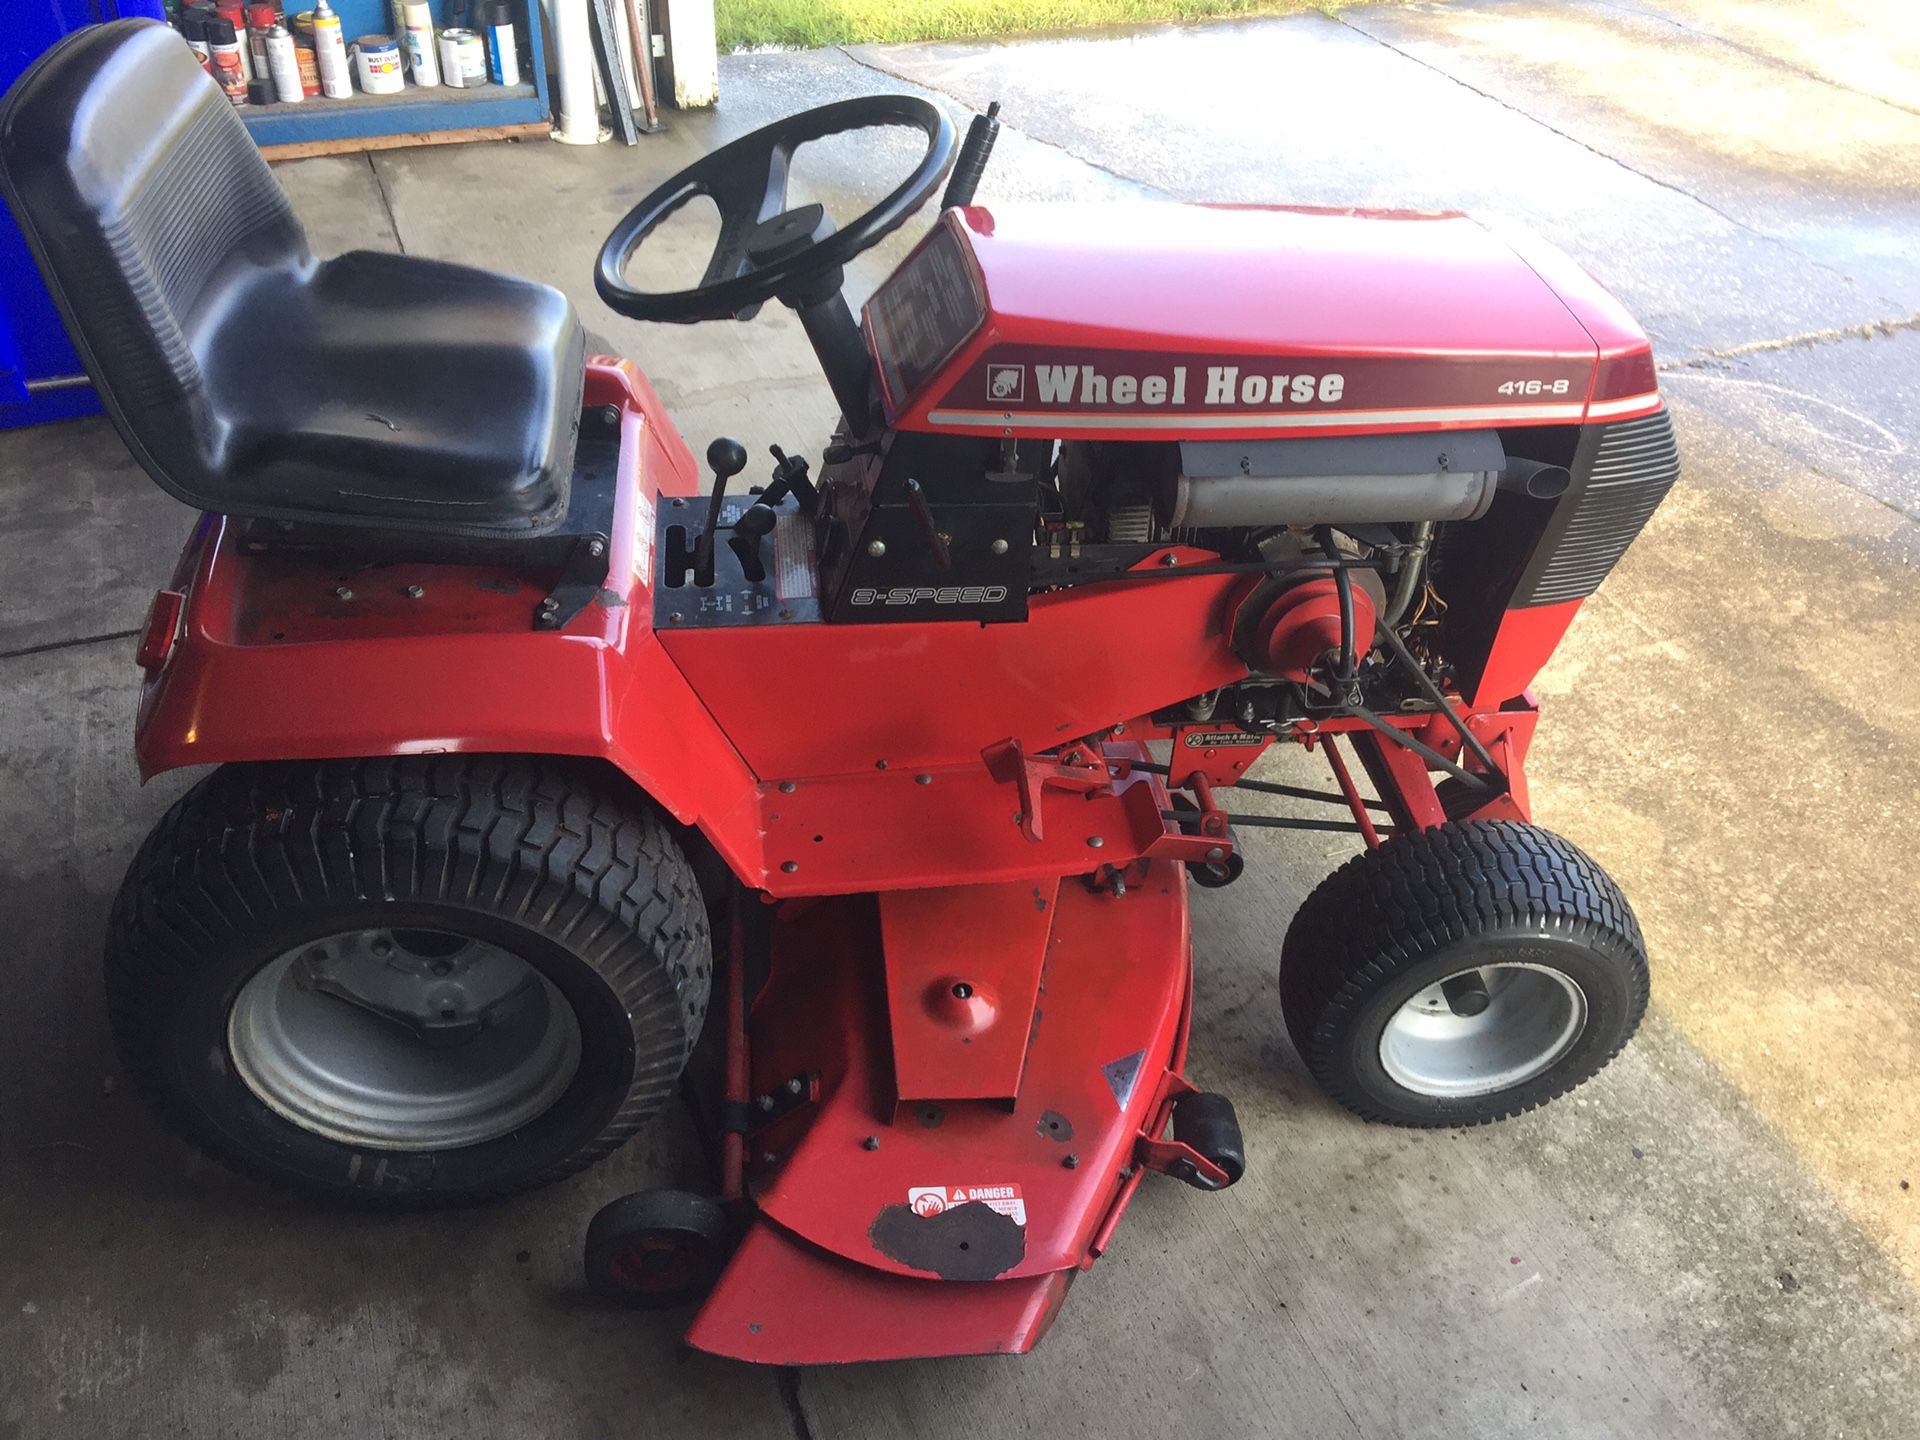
[1320, 481]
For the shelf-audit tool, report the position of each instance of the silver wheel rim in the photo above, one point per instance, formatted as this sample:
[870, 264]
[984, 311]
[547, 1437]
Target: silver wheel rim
[1532, 1018]
[403, 1039]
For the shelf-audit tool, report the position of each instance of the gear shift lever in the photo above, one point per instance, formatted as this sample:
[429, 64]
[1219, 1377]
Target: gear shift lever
[727, 457]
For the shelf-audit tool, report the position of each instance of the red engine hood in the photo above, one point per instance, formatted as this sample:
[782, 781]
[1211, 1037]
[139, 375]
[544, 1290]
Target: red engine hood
[1158, 319]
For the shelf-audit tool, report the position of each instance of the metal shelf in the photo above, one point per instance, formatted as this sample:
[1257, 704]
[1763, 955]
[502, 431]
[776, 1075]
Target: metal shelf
[416, 110]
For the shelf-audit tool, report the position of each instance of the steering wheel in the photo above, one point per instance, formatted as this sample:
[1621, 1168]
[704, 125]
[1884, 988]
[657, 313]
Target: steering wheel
[764, 248]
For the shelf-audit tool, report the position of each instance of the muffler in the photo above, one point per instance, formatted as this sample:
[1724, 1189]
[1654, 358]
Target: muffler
[1324, 481]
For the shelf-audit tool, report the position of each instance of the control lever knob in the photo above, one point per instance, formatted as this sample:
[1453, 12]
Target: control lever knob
[753, 526]
[756, 521]
[728, 457]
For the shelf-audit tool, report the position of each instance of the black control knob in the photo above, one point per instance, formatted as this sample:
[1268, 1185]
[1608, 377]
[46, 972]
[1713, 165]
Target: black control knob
[756, 521]
[728, 457]
[754, 525]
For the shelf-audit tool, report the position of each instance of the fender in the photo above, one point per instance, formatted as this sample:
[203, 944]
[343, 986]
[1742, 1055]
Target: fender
[292, 660]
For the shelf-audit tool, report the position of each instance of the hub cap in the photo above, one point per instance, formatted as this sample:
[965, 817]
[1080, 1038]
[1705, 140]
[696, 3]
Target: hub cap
[403, 1039]
[1531, 1017]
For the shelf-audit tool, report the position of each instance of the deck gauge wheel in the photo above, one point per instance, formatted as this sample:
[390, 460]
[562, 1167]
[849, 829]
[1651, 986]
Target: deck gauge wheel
[656, 1249]
[1462, 974]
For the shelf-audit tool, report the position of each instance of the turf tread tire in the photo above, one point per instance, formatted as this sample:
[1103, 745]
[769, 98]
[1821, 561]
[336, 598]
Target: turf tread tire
[1423, 890]
[547, 844]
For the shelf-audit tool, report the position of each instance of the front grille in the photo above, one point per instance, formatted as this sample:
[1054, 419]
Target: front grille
[1628, 470]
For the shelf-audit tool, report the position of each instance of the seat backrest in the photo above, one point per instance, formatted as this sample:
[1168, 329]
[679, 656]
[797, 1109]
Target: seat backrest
[149, 209]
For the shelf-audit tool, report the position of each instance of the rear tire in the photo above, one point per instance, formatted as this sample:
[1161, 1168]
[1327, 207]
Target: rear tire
[1541, 960]
[413, 982]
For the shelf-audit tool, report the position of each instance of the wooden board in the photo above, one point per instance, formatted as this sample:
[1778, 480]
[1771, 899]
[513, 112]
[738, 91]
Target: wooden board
[354, 144]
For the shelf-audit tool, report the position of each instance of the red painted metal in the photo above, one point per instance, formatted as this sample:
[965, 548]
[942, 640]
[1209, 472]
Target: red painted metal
[917, 696]
[735, 1082]
[1222, 754]
[782, 1301]
[1118, 976]
[1361, 815]
[1423, 317]
[1302, 623]
[161, 630]
[1522, 644]
[963, 967]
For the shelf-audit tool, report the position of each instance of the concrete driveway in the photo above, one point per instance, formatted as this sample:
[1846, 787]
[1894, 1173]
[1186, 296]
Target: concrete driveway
[1718, 1237]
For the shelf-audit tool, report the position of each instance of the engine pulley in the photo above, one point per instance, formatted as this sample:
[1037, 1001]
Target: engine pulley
[1302, 623]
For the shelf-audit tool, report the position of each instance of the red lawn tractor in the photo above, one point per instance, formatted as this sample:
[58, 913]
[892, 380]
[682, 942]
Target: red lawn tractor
[894, 773]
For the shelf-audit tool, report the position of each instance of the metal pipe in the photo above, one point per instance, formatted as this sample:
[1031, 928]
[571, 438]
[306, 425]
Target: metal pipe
[1352, 794]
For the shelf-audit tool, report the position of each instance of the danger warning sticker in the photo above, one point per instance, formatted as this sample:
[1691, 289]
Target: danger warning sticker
[930, 1200]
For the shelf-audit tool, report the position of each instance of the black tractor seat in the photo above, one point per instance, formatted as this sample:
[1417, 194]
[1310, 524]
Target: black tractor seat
[403, 400]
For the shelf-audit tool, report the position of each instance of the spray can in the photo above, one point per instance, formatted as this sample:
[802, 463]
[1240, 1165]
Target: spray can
[234, 12]
[330, 53]
[503, 53]
[260, 19]
[301, 24]
[283, 64]
[224, 48]
[416, 28]
[193, 25]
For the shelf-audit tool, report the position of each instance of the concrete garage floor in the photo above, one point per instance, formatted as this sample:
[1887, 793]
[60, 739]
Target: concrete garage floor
[1715, 1238]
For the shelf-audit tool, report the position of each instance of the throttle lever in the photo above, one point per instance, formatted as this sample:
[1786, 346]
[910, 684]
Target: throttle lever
[754, 524]
[790, 478]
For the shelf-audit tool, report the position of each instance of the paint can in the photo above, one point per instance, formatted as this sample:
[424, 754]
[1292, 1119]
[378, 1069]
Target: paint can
[330, 53]
[223, 46]
[503, 52]
[463, 58]
[377, 57]
[283, 64]
[193, 26]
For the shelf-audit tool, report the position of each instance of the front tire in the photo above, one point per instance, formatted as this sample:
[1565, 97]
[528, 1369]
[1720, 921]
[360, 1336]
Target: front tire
[1462, 974]
[417, 981]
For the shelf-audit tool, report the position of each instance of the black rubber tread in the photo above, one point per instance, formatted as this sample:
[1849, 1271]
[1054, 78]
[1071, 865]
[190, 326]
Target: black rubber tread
[692, 1222]
[1395, 907]
[578, 870]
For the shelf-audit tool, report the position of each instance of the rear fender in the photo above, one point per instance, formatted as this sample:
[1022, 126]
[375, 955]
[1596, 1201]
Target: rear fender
[286, 658]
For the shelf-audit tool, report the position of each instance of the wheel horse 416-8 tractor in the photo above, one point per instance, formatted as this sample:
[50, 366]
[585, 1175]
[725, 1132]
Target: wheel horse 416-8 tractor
[893, 772]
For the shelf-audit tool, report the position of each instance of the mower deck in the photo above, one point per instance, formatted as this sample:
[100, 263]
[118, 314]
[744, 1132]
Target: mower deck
[926, 1116]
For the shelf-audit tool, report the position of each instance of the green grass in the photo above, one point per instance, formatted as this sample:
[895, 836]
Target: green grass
[809, 23]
